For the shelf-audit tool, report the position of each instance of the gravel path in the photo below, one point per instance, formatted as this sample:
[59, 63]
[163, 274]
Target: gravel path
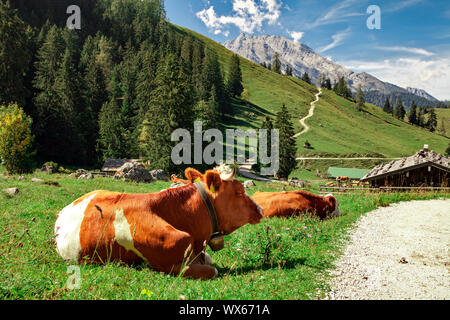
[396, 253]
[310, 114]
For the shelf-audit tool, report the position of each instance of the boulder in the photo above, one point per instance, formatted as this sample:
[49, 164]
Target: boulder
[50, 168]
[297, 183]
[21, 178]
[133, 171]
[249, 183]
[79, 173]
[37, 180]
[11, 191]
[87, 176]
[158, 175]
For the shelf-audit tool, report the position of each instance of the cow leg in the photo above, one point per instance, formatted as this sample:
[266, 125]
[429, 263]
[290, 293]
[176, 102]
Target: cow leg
[196, 271]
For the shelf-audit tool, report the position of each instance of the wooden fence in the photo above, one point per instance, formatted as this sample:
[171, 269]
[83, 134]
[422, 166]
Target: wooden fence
[327, 189]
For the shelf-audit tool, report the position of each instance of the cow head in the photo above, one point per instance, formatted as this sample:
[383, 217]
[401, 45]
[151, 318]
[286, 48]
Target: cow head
[233, 206]
[334, 205]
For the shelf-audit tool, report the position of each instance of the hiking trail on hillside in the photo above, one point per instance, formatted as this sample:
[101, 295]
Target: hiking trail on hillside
[310, 114]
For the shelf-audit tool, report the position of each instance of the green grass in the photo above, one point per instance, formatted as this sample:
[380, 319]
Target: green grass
[257, 263]
[344, 130]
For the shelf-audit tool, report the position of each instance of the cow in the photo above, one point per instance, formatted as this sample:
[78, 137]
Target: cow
[294, 203]
[283, 204]
[167, 230]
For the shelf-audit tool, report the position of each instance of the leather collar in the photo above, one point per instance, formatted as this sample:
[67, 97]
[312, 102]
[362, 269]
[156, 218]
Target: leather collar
[209, 206]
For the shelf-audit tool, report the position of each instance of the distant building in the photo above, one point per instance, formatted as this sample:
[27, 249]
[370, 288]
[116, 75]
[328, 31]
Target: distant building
[112, 165]
[351, 173]
[424, 169]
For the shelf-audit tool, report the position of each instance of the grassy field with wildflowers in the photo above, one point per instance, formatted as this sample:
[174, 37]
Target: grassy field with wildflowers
[277, 259]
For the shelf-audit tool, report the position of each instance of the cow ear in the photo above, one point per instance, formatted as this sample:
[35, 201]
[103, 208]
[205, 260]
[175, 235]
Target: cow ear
[212, 180]
[193, 175]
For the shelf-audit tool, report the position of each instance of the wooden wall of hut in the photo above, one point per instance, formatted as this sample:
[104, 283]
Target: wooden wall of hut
[421, 177]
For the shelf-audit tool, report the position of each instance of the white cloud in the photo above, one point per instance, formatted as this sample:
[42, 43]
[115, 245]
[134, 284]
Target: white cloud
[399, 5]
[338, 38]
[248, 16]
[431, 75]
[408, 49]
[296, 35]
[337, 13]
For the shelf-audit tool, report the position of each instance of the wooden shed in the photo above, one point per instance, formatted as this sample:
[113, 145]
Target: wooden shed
[112, 165]
[424, 169]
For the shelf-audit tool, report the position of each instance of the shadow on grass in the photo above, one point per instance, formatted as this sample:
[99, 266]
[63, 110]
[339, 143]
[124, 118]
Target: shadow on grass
[287, 264]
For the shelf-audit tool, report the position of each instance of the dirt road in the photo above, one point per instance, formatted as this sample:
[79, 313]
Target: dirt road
[397, 252]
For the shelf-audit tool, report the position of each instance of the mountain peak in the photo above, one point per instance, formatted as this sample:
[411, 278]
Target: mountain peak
[262, 48]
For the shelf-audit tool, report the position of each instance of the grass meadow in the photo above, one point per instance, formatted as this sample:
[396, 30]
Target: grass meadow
[277, 259]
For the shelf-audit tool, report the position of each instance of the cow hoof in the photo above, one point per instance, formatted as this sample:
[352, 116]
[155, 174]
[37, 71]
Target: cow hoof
[208, 259]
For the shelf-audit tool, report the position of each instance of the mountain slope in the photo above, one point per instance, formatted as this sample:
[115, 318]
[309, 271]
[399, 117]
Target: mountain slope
[303, 59]
[336, 127]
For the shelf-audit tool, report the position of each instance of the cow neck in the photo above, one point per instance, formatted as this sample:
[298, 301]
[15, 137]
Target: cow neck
[209, 206]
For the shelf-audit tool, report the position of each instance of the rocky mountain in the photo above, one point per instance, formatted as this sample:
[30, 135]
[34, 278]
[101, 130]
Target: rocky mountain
[421, 93]
[302, 58]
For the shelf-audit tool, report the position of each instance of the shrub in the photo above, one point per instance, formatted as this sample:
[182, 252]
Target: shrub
[15, 139]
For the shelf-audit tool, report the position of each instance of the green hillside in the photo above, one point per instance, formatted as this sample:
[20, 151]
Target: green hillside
[336, 127]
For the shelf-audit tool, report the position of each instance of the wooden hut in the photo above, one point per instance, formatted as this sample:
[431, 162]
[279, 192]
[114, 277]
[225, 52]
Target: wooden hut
[111, 166]
[424, 169]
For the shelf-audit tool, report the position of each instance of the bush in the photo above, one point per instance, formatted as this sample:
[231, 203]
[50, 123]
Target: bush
[15, 139]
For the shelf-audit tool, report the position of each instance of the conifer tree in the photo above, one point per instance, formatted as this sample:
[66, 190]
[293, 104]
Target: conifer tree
[306, 78]
[49, 125]
[432, 120]
[170, 108]
[276, 64]
[111, 138]
[387, 106]
[360, 101]
[412, 114]
[287, 143]
[234, 84]
[289, 71]
[15, 56]
[399, 111]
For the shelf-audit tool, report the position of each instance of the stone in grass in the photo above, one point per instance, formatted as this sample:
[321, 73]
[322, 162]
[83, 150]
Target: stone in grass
[87, 176]
[249, 183]
[11, 191]
[37, 180]
[21, 178]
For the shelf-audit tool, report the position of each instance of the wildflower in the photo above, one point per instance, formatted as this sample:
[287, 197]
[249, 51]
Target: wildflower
[287, 229]
[304, 227]
[318, 230]
[238, 249]
[269, 228]
[308, 235]
[278, 235]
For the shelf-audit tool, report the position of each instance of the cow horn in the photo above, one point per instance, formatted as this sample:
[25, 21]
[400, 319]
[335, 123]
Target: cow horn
[229, 176]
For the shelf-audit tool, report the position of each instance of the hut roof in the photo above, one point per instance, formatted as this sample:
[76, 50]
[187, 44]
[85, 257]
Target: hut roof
[421, 158]
[112, 165]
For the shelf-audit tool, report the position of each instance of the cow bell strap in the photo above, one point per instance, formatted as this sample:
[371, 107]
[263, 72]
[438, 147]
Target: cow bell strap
[207, 201]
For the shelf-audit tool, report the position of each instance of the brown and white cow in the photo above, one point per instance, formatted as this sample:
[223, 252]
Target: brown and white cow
[162, 229]
[294, 203]
[284, 204]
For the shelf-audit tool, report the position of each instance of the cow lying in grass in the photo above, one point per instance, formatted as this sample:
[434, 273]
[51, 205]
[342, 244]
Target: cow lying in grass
[168, 230]
[283, 204]
[294, 203]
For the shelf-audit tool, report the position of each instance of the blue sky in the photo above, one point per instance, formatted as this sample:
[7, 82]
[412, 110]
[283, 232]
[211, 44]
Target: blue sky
[412, 48]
